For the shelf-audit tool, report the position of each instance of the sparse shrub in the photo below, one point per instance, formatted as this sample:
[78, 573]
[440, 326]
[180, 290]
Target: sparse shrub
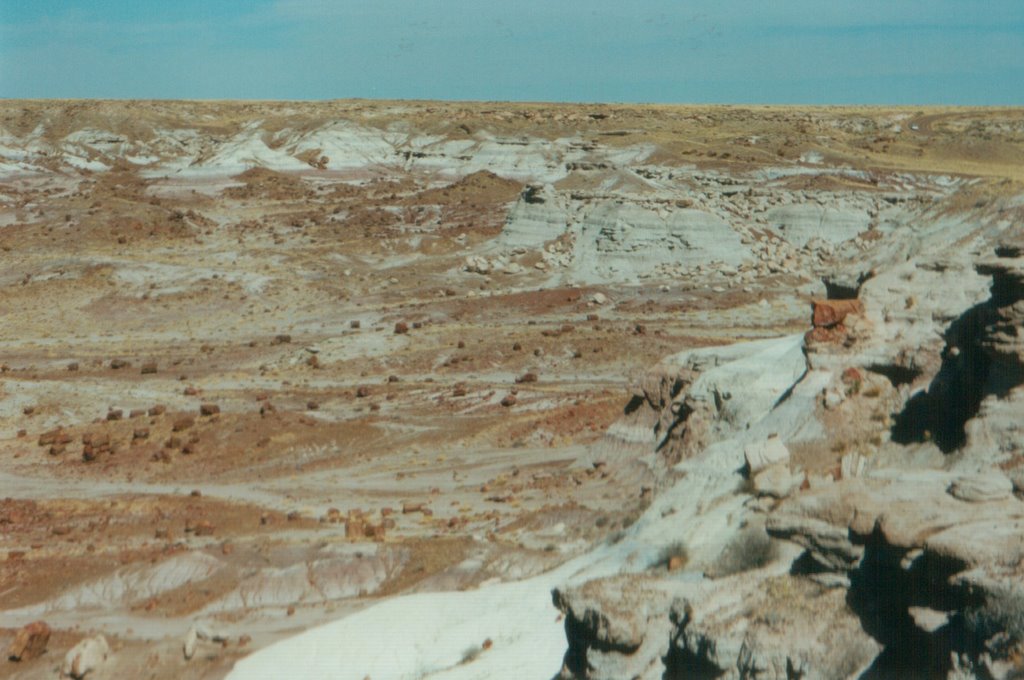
[1003, 612]
[470, 654]
[750, 549]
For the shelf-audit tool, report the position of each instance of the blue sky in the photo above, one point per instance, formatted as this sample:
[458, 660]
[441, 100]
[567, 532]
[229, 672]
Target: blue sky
[727, 51]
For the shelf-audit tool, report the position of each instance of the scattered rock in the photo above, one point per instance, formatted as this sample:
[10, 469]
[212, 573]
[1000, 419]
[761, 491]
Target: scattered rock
[401, 328]
[509, 400]
[148, 368]
[208, 409]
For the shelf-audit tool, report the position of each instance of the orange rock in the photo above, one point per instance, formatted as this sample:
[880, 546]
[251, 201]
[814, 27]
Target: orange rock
[836, 334]
[30, 642]
[829, 313]
[852, 375]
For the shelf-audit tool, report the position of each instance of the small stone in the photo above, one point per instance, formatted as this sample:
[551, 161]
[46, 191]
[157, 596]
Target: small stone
[148, 368]
[401, 328]
[115, 414]
[312, 405]
[208, 409]
[157, 410]
[118, 363]
[509, 400]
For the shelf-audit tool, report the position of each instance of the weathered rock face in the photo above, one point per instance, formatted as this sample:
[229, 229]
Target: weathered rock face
[905, 554]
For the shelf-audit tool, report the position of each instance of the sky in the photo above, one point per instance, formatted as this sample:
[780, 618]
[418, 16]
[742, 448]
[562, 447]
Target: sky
[968, 52]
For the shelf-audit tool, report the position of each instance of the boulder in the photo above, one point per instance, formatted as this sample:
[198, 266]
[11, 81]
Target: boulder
[88, 655]
[30, 642]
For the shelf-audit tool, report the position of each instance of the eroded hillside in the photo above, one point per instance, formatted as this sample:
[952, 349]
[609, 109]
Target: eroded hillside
[271, 365]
